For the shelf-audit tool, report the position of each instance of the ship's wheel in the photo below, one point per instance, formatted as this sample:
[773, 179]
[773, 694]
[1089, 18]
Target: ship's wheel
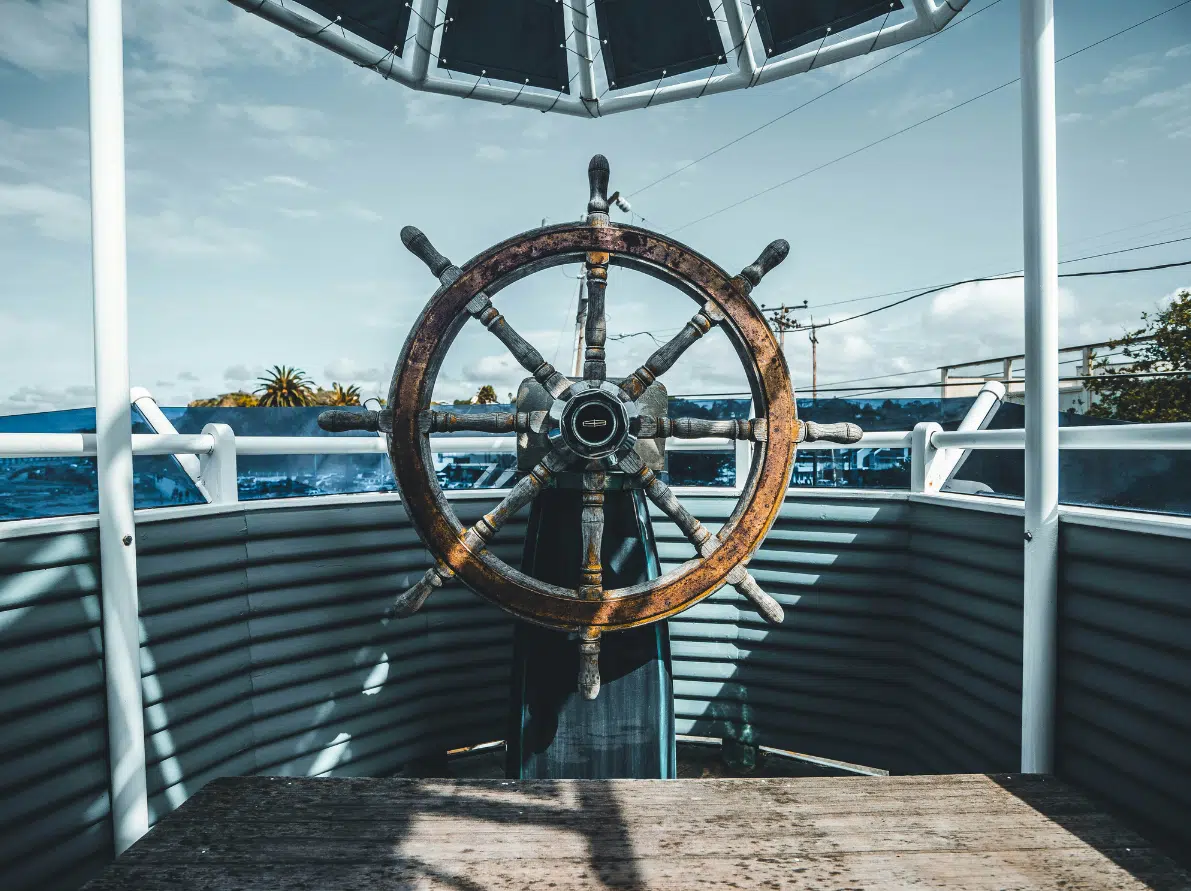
[592, 427]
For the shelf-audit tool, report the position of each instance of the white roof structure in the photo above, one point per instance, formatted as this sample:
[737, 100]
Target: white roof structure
[592, 58]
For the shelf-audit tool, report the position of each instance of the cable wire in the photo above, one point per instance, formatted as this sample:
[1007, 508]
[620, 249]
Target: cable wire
[914, 126]
[811, 101]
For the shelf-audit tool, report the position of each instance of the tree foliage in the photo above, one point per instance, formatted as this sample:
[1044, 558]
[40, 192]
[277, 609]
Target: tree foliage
[486, 395]
[239, 399]
[285, 387]
[337, 395]
[1121, 396]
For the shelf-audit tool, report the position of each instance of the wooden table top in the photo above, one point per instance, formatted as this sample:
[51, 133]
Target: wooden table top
[970, 832]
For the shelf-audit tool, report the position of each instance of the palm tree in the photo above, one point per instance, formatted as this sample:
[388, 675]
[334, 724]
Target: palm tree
[285, 387]
[344, 396]
[487, 395]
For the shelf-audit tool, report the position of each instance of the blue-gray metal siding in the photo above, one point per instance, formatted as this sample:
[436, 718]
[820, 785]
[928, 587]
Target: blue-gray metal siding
[55, 827]
[262, 652]
[828, 680]
[1124, 685]
[963, 641]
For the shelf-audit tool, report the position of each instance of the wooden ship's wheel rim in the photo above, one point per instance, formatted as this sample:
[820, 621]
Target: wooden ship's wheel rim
[462, 553]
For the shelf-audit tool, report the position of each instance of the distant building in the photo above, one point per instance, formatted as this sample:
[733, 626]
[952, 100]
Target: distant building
[1075, 369]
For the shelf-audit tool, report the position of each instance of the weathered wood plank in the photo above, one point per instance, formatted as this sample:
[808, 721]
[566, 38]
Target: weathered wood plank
[975, 832]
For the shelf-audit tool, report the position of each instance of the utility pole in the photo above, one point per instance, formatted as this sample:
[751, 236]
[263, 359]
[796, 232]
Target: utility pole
[580, 325]
[781, 320]
[814, 361]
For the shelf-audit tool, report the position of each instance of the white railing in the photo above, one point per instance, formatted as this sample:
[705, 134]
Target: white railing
[210, 457]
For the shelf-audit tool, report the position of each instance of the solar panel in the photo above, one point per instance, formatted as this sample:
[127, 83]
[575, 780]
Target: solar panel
[787, 24]
[380, 22]
[644, 41]
[521, 41]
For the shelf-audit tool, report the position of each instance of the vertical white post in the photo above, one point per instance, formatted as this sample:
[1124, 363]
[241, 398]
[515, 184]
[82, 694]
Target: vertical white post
[113, 420]
[1039, 183]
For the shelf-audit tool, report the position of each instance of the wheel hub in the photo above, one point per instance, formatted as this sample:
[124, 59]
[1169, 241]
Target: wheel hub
[591, 421]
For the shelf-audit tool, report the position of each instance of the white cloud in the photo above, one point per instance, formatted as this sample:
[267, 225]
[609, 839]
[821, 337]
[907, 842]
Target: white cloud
[277, 179]
[915, 104]
[298, 213]
[238, 374]
[162, 90]
[990, 304]
[52, 212]
[1073, 117]
[491, 153]
[293, 126]
[1172, 110]
[48, 37]
[29, 150]
[1167, 98]
[427, 111]
[360, 212]
[1121, 79]
[1179, 51]
[30, 399]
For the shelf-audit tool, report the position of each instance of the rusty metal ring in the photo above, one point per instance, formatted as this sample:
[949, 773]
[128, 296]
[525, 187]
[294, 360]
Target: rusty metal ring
[761, 495]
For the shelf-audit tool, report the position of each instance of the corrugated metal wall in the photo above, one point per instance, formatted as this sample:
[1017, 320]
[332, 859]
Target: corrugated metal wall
[828, 681]
[262, 652]
[963, 640]
[55, 829]
[1124, 722]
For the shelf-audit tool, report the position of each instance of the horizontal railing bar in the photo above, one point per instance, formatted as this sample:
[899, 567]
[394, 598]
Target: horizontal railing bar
[77, 445]
[82, 445]
[1125, 436]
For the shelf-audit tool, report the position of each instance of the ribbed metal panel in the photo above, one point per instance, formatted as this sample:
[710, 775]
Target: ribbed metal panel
[828, 680]
[262, 652]
[265, 651]
[1124, 721]
[55, 828]
[963, 640]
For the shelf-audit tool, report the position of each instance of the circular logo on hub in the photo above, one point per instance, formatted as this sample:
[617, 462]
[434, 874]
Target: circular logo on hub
[594, 424]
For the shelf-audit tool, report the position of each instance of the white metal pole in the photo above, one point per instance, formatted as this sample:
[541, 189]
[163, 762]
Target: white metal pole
[113, 420]
[1039, 184]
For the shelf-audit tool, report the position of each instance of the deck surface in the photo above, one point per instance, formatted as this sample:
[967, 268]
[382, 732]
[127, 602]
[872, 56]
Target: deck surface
[873, 833]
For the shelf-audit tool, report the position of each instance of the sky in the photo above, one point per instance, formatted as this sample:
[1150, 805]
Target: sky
[268, 181]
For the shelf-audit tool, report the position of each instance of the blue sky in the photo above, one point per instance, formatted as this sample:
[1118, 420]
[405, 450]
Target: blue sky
[268, 181]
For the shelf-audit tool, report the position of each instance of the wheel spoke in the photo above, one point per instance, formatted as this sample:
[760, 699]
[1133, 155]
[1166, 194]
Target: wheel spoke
[481, 422]
[843, 433]
[697, 534]
[591, 582]
[479, 535]
[667, 354]
[595, 335]
[753, 430]
[480, 307]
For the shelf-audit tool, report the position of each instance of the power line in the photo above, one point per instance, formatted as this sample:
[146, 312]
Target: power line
[1089, 274]
[812, 100]
[1004, 275]
[937, 384]
[967, 281]
[927, 120]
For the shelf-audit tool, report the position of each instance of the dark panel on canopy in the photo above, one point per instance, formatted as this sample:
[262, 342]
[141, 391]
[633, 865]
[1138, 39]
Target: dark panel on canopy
[642, 42]
[522, 41]
[787, 24]
[380, 22]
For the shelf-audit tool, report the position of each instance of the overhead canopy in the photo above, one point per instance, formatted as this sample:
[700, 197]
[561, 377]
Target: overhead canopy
[555, 56]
